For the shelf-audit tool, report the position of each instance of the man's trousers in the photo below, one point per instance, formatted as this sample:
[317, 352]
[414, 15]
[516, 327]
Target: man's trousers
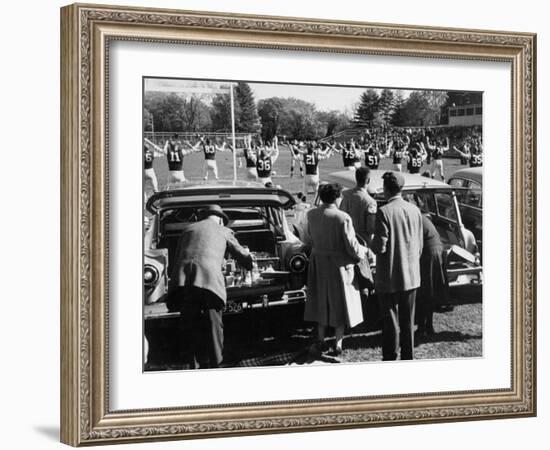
[398, 332]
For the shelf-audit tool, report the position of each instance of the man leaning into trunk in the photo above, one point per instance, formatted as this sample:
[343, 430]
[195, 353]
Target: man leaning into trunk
[200, 285]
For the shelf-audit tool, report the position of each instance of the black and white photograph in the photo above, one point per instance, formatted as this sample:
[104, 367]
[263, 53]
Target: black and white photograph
[296, 224]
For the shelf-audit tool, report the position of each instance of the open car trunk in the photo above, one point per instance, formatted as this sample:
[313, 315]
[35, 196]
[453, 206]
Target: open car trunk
[260, 227]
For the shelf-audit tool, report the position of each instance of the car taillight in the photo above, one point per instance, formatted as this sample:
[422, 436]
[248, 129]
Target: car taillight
[297, 263]
[150, 275]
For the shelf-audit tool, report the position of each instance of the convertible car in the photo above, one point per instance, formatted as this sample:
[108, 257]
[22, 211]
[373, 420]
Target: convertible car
[256, 216]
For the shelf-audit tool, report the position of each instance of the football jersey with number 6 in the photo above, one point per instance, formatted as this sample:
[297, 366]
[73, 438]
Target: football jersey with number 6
[148, 157]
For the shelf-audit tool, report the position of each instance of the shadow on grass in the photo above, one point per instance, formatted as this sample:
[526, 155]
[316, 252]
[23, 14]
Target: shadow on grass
[362, 342]
[445, 336]
[374, 340]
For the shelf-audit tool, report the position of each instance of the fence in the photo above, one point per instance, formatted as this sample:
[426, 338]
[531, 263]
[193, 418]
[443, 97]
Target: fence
[159, 138]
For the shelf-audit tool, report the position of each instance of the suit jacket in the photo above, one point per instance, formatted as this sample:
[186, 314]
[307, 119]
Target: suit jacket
[398, 241]
[200, 253]
[362, 209]
[332, 296]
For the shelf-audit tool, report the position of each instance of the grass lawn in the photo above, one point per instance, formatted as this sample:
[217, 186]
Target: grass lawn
[458, 335]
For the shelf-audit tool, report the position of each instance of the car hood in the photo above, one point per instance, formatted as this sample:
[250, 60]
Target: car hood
[231, 195]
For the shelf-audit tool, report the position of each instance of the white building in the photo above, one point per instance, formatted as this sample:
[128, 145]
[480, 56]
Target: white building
[465, 115]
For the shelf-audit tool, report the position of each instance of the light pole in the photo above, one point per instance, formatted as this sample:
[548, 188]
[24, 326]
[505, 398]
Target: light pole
[233, 132]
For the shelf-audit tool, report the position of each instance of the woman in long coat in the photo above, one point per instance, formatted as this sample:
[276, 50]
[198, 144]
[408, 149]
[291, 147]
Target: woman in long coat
[333, 298]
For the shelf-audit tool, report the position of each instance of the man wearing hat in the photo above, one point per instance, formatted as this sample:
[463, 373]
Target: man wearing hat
[199, 283]
[397, 242]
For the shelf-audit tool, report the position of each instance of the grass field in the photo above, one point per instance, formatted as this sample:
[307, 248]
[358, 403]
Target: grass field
[193, 167]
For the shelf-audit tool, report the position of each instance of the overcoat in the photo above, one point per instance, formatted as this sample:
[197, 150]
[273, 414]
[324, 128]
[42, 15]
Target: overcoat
[361, 207]
[397, 242]
[333, 297]
[200, 253]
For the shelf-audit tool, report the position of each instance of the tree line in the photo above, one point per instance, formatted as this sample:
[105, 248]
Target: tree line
[295, 118]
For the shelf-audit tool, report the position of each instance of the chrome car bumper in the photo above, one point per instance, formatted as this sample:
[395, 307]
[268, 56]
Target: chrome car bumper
[465, 276]
[234, 305]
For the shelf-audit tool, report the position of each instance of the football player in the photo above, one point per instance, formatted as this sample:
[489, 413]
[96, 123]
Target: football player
[295, 153]
[399, 146]
[149, 172]
[375, 153]
[174, 156]
[350, 155]
[471, 154]
[436, 151]
[249, 155]
[311, 157]
[265, 159]
[209, 149]
[415, 157]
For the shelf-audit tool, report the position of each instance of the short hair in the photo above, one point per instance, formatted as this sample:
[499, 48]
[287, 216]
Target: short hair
[328, 193]
[362, 175]
[175, 136]
[391, 184]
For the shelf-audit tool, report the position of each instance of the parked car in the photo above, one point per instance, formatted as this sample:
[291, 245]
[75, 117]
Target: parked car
[470, 199]
[256, 216]
[439, 199]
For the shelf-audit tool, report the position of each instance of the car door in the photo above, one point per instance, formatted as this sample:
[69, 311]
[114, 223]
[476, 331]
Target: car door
[441, 205]
[470, 202]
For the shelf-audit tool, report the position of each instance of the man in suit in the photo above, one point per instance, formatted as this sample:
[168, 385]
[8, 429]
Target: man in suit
[199, 283]
[397, 242]
[360, 206]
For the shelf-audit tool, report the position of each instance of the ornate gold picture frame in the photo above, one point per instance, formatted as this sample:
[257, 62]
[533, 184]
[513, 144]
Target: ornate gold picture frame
[86, 33]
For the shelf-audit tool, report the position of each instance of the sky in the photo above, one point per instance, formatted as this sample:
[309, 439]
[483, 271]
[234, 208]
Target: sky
[327, 98]
[324, 97]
